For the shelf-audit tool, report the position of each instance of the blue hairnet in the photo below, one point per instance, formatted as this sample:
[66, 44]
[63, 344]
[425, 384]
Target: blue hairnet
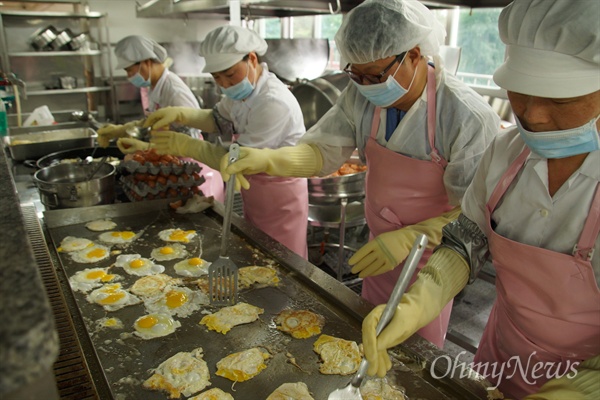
[379, 29]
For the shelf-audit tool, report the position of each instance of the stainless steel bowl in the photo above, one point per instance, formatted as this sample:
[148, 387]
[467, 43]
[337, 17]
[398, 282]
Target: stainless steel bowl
[329, 190]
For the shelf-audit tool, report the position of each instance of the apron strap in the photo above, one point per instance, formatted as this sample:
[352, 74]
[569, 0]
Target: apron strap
[584, 249]
[431, 117]
[375, 122]
[507, 179]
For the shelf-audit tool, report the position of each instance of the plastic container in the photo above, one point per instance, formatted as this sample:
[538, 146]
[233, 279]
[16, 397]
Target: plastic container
[3, 119]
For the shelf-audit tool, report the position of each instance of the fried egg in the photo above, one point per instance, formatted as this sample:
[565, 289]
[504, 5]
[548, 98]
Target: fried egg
[169, 252]
[184, 373]
[91, 254]
[213, 394]
[100, 225]
[227, 317]
[70, 244]
[192, 267]
[180, 301]
[118, 237]
[379, 389]
[339, 356]
[155, 325]
[244, 365]
[177, 235]
[112, 297]
[261, 276]
[110, 323]
[153, 285]
[87, 279]
[295, 391]
[301, 324]
[135, 264]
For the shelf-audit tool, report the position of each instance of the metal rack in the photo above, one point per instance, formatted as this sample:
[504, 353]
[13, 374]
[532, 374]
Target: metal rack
[91, 68]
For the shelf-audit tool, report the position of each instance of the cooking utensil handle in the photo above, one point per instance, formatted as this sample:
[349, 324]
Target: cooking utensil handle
[234, 154]
[390, 308]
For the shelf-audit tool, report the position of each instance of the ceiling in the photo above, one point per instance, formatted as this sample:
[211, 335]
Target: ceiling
[277, 8]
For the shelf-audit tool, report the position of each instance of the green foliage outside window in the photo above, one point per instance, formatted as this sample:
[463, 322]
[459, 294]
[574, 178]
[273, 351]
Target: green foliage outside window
[482, 50]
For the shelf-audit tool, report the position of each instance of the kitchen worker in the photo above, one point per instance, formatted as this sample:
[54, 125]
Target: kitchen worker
[534, 208]
[145, 62]
[260, 112]
[420, 130]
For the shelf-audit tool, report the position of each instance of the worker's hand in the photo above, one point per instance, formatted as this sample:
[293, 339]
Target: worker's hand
[445, 274]
[384, 253]
[201, 119]
[182, 145]
[109, 132]
[389, 249]
[130, 145]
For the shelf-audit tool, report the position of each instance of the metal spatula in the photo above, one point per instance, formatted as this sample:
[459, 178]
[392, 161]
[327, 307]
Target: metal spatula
[223, 273]
[352, 392]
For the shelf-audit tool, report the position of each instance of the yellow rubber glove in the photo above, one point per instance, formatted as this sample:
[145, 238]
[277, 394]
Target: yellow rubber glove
[585, 385]
[130, 145]
[302, 161]
[445, 274]
[200, 119]
[180, 144]
[389, 249]
[110, 131]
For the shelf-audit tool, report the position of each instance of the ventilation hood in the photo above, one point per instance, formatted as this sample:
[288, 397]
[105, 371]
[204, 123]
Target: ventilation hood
[277, 8]
[249, 8]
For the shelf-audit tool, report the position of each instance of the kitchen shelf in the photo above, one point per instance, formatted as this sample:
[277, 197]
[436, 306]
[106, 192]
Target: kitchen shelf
[46, 92]
[50, 14]
[55, 53]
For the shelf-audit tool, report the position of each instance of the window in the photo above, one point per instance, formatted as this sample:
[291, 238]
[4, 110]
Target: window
[328, 25]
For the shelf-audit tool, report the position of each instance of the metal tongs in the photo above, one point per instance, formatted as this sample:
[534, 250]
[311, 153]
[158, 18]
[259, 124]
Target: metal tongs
[223, 273]
[352, 390]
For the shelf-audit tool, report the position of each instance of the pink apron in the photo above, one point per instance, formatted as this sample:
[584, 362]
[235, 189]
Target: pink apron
[401, 191]
[547, 310]
[279, 207]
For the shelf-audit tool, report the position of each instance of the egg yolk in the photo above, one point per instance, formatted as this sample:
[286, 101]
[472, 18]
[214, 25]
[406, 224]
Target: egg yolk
[175, 299]
[96, 274]
[124, 234]
[112, 298]
[110, 322]
[147, 322]
[195, 261]
[180, 236]
[166, 250]
[96, 253]
[137, 263]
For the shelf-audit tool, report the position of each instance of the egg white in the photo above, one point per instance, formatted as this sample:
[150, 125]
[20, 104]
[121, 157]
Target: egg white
[175, 300]
[135, 264]
[213, 394]
[177, 250]
[177, 235]
[193, 267]
[109, 322]
[91, 254]
[155, 325]
[112, 297]
[101, 225]
[90, 278]
[118, 237]
[153, 285]
[70, 244]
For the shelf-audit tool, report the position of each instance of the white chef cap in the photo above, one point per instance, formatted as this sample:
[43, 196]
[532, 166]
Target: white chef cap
[379, 29]
[133, 49]
[553, 48]
[227, 45]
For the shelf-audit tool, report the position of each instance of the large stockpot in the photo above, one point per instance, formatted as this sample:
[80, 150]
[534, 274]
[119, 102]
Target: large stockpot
[67, 185]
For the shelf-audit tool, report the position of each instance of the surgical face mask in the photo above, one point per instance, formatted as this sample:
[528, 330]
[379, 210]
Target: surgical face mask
[386, 93]
[240, 90]
[139, 81]
[564, 143]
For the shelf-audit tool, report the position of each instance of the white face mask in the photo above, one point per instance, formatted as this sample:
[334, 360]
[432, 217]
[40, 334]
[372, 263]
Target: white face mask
[386, 93]
[563, 143]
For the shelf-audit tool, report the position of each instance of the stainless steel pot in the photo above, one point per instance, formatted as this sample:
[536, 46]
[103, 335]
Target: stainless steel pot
[42, 38]
[62, 40]
[66, 185]
[329, 190]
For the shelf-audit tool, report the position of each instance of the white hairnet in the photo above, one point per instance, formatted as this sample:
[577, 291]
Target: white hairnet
[133, 49]
[379, 29]
[227, 45]
[553, 48]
